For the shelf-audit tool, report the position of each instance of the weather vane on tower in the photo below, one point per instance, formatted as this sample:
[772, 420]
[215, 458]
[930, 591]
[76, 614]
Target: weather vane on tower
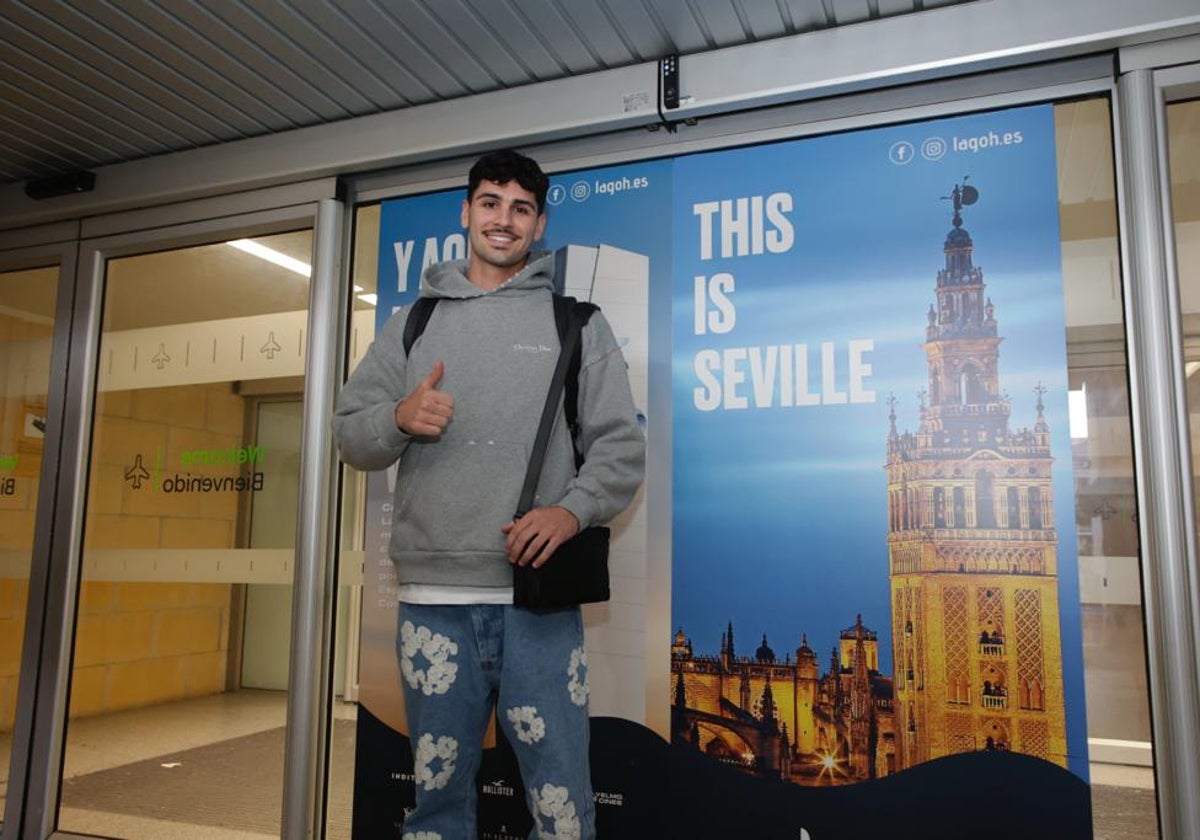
[963, 195]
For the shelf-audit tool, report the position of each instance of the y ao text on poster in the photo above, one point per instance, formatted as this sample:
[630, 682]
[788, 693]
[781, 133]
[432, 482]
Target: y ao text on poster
[773, 375]
[452, 247]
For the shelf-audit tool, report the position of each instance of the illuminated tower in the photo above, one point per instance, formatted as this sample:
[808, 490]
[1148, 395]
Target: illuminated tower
[861, 741]
[807, 678]
[971, 544]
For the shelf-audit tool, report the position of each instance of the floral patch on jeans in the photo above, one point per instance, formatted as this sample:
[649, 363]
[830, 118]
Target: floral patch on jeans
[552, 802]
[428, 751]
[530, 728]
[577, 684]
[437, 650]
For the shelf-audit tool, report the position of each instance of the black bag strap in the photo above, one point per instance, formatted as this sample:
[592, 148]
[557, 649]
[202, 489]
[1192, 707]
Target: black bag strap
[422, 308]
[418, 317]
[564, 309]
[570, 348]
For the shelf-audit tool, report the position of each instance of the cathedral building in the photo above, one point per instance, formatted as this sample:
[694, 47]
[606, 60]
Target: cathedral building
[972, 548]
[787, 720]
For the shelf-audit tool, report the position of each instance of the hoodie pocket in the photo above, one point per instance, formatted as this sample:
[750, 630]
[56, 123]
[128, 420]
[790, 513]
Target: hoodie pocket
[457, 499]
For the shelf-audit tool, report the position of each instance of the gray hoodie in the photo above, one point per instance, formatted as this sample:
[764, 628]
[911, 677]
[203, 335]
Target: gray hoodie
[499, 348]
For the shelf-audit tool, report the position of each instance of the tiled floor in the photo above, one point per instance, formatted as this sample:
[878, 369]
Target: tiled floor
[1122, 796]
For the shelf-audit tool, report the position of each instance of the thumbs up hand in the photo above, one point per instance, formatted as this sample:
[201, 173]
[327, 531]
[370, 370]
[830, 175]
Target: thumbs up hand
[426, 411]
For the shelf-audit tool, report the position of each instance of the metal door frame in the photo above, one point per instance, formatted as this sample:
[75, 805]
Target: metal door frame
[51, 245]
[44, 693]
[1161, 426]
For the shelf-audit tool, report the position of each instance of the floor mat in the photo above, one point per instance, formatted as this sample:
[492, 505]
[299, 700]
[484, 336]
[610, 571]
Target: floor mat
[1122, 813]
[234, 784]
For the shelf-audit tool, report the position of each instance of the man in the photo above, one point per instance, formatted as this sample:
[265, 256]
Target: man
[460, 412]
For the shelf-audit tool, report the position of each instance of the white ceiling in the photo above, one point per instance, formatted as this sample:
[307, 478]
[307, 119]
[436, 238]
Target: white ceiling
[87, 83]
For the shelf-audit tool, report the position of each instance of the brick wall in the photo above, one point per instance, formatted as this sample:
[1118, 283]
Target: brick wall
[144, 642]
[24, 346]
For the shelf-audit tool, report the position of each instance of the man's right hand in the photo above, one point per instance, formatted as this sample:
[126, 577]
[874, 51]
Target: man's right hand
[426, 411]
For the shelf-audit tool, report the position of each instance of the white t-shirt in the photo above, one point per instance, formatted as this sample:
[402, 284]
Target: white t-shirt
[434, 593]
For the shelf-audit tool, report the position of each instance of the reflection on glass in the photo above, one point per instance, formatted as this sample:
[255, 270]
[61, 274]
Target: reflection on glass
[1119, 740]
[1183, 135]
[159, 708]
[27, 300]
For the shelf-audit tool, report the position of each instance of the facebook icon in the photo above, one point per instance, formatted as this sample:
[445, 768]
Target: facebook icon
[901, 152]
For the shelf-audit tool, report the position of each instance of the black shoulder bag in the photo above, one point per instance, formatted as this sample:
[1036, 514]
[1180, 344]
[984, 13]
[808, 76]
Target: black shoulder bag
[577, 572]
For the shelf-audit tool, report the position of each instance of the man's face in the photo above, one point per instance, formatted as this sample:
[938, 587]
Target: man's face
[502, 223]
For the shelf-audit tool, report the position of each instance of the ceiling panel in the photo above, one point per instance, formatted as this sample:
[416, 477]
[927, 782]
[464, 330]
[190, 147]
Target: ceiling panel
[264, 55]
[807, 15]
[357, 46]
[684, 30]
[33, 144]
[596, 25]
[23, 152]
[519, 36]
[442, 46]
[850, 11]
[641, 27]
[86, 83]
[79, 56]
[82, 136]
[52, 109]
[331, 63]
[42, 87]
[174, 42]
[719, 18]
[764, 20]
[553, 30]
[508, 65]
[209, 90]
[430, 73]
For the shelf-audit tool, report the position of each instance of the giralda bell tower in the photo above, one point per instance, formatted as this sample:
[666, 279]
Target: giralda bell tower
[971, 543]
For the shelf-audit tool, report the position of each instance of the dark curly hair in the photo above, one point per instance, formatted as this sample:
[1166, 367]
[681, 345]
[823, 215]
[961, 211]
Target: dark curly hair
[506, 165]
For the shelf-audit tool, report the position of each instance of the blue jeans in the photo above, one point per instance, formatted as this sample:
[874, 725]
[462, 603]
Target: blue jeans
[457, 663]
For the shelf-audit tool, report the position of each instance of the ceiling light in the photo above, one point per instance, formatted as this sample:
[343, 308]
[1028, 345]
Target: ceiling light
[272, 256]
[290, 263]
[1077, 413]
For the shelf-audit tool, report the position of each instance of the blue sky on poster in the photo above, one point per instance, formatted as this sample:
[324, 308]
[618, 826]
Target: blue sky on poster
[780, 513]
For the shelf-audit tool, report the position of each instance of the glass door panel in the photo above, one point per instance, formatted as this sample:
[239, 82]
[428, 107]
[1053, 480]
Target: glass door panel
[158, 709]
[27, 305]
[268, 606]
[1114, 652]
[1183, 138]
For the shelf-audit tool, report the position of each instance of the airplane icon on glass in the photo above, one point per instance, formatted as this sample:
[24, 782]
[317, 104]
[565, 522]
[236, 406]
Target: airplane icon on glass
[271, 347]
[137, 473]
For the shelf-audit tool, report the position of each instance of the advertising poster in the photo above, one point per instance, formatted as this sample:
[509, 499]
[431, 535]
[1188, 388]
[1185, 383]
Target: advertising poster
[610, 230]
[867, 623]
[874, 582]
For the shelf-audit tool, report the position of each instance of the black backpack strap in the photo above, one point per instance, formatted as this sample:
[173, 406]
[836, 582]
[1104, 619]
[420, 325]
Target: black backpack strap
[565, 308]
[418, 317]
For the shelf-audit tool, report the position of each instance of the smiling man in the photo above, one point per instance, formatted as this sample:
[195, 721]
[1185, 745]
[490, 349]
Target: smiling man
[459, 411]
